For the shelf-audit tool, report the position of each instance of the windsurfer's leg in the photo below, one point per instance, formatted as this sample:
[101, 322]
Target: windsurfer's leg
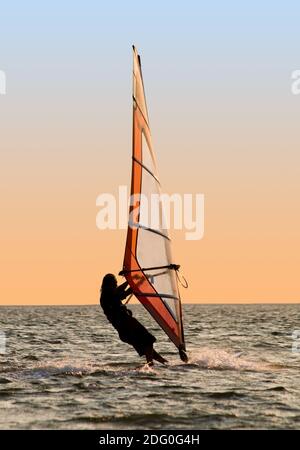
[158, 357]
[149, 355]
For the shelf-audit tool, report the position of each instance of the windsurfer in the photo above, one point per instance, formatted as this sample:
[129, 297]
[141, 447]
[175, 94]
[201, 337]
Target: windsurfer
[129, 328]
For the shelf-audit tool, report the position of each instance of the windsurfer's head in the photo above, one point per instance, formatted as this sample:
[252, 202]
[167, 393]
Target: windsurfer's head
[109, 282]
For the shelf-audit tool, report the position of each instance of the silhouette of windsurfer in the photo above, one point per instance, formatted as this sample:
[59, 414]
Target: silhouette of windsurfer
[129, 328]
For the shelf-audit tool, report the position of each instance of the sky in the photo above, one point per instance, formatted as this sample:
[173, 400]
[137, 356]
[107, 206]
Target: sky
[224, 123]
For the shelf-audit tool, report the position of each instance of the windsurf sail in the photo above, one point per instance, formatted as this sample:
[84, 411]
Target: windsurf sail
[148, 265]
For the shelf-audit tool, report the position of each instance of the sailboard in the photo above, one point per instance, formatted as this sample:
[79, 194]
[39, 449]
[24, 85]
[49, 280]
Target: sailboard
[148, 265]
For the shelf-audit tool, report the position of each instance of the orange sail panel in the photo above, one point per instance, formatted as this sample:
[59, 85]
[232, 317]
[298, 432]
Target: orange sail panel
[148, 265]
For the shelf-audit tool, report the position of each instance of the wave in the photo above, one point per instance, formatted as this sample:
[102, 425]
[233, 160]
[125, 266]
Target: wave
[225, 395]
[218, 359]
[204, 359]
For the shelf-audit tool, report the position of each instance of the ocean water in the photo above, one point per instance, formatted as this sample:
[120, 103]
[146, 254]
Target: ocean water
[65, 368]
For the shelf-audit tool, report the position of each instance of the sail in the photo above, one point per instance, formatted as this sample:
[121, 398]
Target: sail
[148, 265]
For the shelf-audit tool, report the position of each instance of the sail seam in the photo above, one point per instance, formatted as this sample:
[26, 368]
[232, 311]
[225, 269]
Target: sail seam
[146, 168]
[138, 106]
[143, 227]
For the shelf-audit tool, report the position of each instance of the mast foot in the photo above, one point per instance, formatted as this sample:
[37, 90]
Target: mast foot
[183, 356]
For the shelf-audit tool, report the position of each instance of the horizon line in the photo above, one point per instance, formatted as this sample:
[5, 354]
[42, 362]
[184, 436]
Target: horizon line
[185, 303]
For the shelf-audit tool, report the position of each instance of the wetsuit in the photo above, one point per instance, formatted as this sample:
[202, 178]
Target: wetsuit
[130, 329]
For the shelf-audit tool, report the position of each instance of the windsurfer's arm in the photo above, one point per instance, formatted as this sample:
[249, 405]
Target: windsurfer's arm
[122, 291]
[122, 286]
[125, 294]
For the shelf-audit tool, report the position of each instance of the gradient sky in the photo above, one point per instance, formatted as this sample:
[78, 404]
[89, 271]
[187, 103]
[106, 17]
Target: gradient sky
[224, 123]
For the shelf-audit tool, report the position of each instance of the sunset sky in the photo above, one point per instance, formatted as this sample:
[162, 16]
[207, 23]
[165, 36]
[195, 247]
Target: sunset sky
[224, 123]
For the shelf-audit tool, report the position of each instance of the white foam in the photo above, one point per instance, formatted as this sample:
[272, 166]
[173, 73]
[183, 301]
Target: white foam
[220, 359]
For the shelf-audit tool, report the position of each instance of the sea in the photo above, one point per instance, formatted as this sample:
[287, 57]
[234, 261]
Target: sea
[64, 367]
